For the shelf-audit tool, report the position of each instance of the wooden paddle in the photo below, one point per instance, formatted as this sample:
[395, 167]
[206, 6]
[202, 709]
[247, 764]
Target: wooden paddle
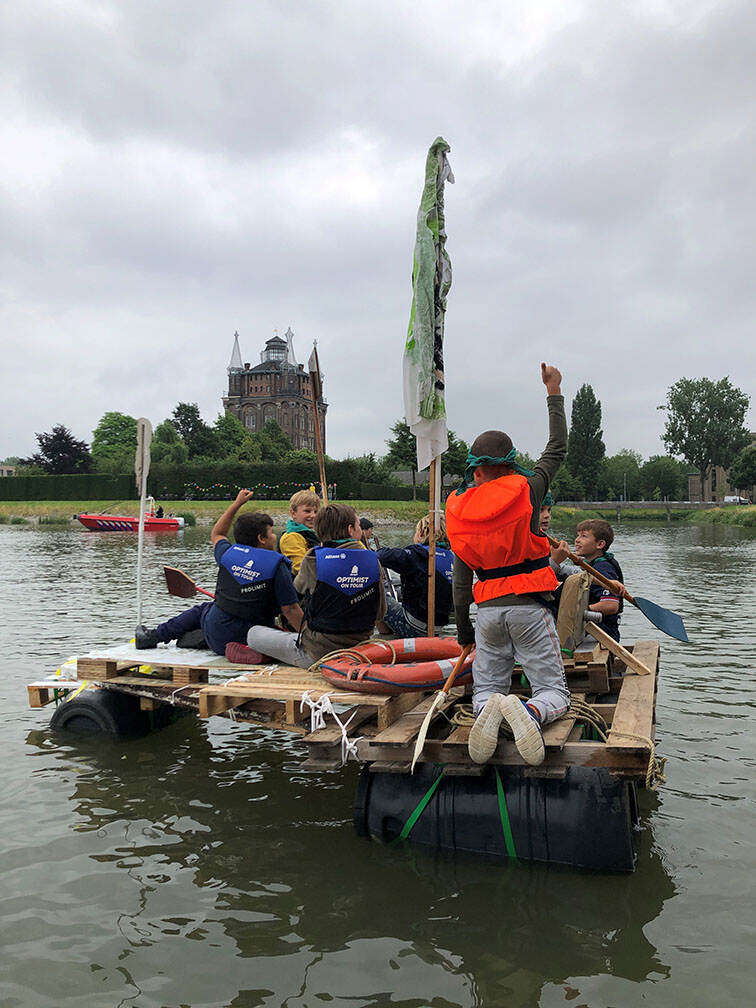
[181, 584]
[665, 620]
[437, 701]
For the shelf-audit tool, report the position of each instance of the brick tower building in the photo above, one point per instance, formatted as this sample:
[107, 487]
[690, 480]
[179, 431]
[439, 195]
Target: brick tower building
[278, 388]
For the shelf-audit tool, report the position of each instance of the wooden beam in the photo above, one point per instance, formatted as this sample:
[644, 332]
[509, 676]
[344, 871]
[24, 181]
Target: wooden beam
[628, 657]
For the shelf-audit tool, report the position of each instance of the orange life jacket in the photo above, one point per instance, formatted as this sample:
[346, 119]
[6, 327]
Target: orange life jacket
[489, 529]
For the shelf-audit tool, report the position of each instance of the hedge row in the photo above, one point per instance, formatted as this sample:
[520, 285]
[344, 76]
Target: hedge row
[270, 482]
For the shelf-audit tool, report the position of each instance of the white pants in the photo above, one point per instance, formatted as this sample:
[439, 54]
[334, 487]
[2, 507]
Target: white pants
[279, 644]
[528, 633]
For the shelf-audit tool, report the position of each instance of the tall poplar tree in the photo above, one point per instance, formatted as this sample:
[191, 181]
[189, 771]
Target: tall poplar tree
[585, 445]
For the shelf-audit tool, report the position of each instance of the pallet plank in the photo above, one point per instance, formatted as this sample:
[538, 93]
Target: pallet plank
[634, 714]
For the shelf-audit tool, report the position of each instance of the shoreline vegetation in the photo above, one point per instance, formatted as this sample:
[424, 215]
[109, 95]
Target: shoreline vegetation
[60, 513]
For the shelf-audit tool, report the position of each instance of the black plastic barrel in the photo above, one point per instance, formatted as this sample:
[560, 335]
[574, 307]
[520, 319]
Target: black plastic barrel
[587, 819]
[100, 711]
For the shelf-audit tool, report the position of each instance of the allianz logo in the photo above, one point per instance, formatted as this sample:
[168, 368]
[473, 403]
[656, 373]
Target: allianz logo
[335, 556]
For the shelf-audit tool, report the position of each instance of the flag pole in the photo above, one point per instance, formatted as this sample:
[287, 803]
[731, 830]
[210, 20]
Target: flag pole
[435, 467]
[141, 471]
[315, 393]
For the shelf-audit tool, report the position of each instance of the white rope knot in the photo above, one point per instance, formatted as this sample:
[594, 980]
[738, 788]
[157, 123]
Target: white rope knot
[319, 709]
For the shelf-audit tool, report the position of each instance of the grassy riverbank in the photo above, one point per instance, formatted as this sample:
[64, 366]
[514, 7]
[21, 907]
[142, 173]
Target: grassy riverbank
[381, 512]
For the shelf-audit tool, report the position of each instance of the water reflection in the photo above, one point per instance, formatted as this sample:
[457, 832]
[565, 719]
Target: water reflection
[280, 879]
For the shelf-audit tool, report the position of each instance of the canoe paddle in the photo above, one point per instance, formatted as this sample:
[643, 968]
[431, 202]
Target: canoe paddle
[437, 701]
[181, 584]
[664, 619]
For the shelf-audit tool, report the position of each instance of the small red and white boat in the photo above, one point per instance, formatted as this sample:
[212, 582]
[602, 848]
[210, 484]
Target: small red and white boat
[125, 523]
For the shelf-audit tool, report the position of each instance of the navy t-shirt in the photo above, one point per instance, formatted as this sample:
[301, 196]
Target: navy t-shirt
[221, 628]
[597, 593]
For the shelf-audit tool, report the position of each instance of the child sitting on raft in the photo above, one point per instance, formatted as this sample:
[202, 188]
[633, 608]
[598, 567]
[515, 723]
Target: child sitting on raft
[299, 534]
[343, 597]
[593, 539]
[409, 618]
[254, 584]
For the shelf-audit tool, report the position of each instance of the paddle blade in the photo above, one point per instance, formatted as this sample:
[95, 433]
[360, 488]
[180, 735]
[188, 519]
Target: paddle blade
[178, 583]
[667, 621]
[142, 458]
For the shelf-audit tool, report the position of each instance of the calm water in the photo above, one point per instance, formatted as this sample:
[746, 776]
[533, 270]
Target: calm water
[201, 866]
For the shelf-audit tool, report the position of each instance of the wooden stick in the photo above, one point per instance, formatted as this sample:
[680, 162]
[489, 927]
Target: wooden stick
[591, 570]
[318, 440]
[432, 550]
[612, 645]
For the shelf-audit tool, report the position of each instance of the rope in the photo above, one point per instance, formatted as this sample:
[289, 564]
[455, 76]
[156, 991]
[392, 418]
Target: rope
[357, 657]
[656, 764]
[318, 711]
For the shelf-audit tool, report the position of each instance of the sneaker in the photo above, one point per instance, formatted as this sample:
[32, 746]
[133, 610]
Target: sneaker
[240, 654]
[144, 638]
[526, 729]
[192, 639]
[484, 734]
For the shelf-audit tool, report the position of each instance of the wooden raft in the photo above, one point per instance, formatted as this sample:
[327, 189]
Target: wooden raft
[387, 727]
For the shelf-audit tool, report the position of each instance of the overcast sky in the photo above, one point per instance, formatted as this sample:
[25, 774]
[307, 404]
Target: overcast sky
[175, 171]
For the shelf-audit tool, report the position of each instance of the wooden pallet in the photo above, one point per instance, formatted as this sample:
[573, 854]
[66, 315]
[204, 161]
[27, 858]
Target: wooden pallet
[387, 726]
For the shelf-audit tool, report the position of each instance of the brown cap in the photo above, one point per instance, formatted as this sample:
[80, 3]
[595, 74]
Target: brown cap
[493, 443]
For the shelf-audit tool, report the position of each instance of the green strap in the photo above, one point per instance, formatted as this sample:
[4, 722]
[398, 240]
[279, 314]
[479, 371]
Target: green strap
[505, 824]
[409, 825]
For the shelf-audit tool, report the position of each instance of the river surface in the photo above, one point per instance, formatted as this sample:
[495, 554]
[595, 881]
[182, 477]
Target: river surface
[202, 866]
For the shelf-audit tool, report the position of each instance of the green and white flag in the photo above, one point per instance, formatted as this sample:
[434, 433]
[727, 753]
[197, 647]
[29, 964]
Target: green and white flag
[423, 373]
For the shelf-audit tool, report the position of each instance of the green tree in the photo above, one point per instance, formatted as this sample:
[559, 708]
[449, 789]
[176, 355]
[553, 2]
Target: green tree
[168, 446]
[566, 487]
[454, 459]
[230, 434]
[249, 451]
[274, 443]
[402, 451]
[60, 452]
[585, 445]
[705, 422]
[200, 439]
[620, 474]
[114, 443]
[742, 474]
[663, 476]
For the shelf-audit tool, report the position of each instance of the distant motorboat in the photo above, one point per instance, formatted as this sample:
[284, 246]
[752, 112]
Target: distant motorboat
[126, 523]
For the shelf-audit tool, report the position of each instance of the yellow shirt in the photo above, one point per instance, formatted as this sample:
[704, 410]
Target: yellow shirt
[294, 546]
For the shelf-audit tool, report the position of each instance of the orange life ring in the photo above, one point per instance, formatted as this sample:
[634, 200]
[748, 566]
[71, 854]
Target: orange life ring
[398, 666]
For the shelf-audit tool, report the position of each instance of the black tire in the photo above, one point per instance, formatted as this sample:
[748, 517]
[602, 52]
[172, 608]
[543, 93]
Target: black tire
[98, 711]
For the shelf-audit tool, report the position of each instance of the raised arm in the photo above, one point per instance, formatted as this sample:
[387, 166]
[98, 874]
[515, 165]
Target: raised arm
[223, 526]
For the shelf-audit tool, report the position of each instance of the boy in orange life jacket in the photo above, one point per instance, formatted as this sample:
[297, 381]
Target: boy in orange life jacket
[493, 529]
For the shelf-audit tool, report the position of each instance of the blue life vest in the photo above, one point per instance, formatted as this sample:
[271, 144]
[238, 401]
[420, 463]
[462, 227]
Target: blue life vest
[347, 591]
[245, 583]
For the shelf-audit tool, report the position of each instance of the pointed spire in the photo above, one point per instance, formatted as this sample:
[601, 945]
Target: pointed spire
[290, 340]
[236, 361]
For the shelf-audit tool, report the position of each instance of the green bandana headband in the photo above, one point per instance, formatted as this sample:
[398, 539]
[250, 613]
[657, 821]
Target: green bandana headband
[473, 461]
